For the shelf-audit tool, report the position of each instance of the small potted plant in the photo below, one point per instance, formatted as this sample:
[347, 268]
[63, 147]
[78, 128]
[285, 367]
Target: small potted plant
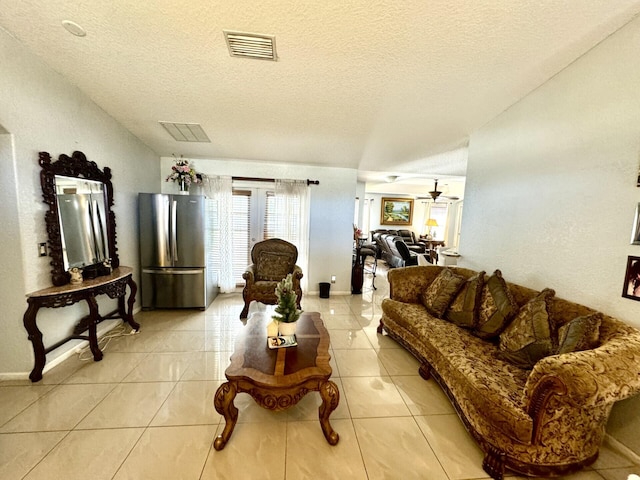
[287, 310]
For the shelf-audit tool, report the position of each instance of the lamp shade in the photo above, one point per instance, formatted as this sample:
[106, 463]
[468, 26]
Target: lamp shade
[431, 223]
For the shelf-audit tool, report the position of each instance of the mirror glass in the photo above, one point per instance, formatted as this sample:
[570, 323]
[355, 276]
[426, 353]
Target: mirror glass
[82, 210]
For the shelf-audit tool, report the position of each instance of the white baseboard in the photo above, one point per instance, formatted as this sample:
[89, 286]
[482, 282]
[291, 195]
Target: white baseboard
[621, 449]
[103, 328]
[316, 293]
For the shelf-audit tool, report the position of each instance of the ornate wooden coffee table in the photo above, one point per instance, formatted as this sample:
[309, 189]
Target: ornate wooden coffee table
[277, 379]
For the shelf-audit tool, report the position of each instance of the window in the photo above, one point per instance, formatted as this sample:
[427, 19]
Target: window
[254, 218]
[366, 216]
[439, 212]
[239, 234]
[274, 226]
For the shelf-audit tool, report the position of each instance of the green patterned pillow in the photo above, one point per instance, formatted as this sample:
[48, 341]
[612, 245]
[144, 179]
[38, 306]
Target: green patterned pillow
[497, 307]
[438, 295]
[527, 339]
[464, 308]
[581, 333]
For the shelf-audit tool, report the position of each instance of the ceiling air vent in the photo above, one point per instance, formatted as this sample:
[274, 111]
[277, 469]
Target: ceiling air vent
[186, 132]
[251, 45]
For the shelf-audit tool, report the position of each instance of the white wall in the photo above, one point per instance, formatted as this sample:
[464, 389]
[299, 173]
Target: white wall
[42, 111]
[551, 186]
[331, 211]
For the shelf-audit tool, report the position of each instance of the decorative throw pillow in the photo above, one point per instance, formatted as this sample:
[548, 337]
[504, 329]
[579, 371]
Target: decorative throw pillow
[527, 339]
[497, 307]
[581, 333]
[438, 295]
[464, 308]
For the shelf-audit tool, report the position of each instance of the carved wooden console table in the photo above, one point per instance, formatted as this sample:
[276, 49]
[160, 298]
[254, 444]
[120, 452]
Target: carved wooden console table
[114, 285]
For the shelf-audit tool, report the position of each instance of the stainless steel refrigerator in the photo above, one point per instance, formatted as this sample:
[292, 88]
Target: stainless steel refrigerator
[174, 248]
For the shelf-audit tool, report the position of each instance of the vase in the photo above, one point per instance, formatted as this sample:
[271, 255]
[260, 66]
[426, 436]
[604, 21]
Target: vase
[286, 329]
[184, 187]
[357, 274]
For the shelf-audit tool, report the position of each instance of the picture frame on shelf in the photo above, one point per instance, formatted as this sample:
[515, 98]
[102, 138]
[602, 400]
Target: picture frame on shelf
[631, 287]
[396, 211]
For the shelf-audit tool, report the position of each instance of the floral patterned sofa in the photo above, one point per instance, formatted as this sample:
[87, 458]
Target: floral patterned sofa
[547, 418]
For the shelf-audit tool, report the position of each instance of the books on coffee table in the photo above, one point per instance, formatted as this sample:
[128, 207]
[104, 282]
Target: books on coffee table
[282, 341]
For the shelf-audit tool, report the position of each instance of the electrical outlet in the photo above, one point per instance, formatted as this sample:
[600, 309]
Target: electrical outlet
[42, 249]
[333, 279]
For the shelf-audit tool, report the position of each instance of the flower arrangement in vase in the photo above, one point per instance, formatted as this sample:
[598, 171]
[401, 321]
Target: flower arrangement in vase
[183, 173]
[287, 310]
[357, 233]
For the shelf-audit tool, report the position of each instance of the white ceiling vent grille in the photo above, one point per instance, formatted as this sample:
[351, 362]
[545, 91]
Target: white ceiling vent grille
[186, 132]
[251, 45]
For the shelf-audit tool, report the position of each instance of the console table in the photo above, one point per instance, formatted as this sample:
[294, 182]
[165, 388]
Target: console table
[114, 285]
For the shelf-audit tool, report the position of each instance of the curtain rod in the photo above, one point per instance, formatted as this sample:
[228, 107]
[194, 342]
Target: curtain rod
[255, 179]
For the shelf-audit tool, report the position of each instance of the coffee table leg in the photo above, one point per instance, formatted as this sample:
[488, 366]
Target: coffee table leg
[330, 399]
[223, 401]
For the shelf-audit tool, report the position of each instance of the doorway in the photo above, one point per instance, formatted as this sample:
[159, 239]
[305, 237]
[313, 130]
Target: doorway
[255, 213]
[254, 220]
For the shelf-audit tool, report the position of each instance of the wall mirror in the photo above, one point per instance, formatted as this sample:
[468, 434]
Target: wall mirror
[80, 222]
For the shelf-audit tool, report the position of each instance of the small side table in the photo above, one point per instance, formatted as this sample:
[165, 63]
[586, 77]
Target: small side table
[113, 285]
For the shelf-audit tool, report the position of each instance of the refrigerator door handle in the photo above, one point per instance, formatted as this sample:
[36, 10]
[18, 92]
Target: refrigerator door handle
[172, 271]
[166, 231]
[174, 227]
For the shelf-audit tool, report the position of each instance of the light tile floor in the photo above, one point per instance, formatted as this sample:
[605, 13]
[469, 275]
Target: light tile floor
[146, 410]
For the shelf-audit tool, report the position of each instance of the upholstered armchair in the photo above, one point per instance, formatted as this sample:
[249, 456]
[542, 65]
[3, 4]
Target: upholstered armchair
[271, 261]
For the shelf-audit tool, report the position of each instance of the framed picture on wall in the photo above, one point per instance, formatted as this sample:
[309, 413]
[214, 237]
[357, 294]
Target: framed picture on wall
[396, 211]
[631, 288]
[635, 233]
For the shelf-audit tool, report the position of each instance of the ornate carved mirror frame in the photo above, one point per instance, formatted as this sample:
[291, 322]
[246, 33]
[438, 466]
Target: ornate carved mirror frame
[79, 167]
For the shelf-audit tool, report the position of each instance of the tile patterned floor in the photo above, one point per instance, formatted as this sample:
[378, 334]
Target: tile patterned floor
[146, 410]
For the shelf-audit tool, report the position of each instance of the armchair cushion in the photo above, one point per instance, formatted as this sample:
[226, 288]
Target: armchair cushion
[273, 266]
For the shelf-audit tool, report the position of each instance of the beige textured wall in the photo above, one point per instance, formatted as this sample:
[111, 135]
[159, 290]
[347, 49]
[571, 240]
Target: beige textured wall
[42, 111]
[551, 186]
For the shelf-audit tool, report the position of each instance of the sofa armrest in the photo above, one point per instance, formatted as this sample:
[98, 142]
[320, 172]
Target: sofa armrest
[596, 377]
[407, 284]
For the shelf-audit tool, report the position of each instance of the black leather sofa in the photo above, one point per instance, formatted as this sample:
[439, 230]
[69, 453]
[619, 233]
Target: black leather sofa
[389, 252]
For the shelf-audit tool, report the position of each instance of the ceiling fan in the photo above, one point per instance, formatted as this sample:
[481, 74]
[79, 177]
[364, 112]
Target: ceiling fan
[435, 194]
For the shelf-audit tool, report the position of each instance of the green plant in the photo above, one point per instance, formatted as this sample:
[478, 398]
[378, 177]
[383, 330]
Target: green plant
[287, 308]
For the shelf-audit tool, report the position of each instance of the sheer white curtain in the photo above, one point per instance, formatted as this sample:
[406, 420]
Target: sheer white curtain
[220, 190]
[292, 207]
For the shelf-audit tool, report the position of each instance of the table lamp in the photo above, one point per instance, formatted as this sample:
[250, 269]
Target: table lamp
[430, 223]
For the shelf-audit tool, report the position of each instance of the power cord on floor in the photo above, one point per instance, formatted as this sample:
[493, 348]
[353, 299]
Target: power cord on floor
[85, 354]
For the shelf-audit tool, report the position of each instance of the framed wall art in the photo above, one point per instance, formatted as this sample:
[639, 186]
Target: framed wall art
[631, 288]
[396, 211]
[635, 233]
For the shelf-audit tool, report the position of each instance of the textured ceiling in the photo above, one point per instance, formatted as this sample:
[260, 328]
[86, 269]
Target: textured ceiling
[381, 86]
